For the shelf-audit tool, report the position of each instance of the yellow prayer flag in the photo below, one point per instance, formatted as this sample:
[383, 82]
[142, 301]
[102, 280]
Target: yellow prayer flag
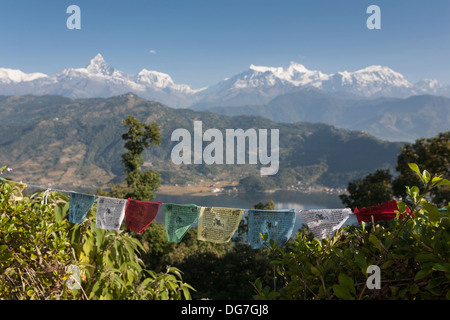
[217, 224]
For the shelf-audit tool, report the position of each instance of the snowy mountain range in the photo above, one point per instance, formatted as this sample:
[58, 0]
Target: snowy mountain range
[98, 79]
[255, 86]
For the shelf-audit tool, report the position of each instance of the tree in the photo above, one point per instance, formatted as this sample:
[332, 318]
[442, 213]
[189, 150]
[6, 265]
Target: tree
[412, 253]
[378, 187]
[270, 205]
[138, 184]
[255, 184]
[38, 247]
[372, 190]
[229, 274]
[433, 154]
[34, 249]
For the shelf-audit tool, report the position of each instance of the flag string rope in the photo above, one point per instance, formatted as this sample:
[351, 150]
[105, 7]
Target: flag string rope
[49, 189]
[215, 224]
[41, 187]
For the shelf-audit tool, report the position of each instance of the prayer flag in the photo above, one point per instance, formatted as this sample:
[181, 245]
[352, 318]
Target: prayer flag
[110, 213]
[325, 222]
[179, 219]
[217, 224]
[384, 211]
[278, 224]
[139, 214]
[79, 205]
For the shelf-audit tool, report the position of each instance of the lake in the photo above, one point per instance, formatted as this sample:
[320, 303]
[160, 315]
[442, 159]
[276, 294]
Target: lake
[282, 199]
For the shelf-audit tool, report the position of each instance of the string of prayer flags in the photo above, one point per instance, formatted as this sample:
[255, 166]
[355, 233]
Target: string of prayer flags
[324, 222]
[110, 213]
[278, 224]
[383, 211]
[139, 214]
[178, 219]
[216, 224]
[79, 205]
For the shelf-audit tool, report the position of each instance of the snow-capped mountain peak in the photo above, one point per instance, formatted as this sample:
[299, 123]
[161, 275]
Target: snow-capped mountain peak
[297, 67]
[294, 74]
[280, 72]
[374, 80]
[8, 76]
[98, 65]
[256, 85]
[429, 84]
[98, 79]
[383, 73]
[155, 78]
[260, 84]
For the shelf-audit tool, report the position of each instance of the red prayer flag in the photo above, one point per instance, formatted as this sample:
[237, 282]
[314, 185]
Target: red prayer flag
[139, 214]
[384, 211]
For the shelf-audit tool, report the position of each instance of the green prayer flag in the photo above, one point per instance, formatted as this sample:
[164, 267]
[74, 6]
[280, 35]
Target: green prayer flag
[179, 218]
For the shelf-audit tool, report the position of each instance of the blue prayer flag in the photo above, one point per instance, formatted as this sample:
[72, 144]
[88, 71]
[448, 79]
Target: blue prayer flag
[79, 206]
[278, 224]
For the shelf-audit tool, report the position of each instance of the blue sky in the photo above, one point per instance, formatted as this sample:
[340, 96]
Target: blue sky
[200, 42]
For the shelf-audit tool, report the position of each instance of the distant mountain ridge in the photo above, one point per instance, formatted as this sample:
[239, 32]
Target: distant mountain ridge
[394, 119]
[263, 84]
[257, 85]
[77, 142]
[98, 79]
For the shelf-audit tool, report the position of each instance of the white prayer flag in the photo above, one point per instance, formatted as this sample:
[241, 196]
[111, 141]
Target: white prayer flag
[325, 222]
[110, 213]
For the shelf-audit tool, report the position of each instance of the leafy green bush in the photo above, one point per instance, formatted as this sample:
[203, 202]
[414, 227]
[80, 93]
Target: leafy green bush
[111, 267]
[38, 245]
[369, 191]
[216, 270]
[380, 186]
[34, 248]
[413, 255]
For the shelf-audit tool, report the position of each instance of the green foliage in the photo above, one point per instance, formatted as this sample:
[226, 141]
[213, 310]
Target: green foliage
[270, 205]
[433, 154]
[413, 255]
[162, 253]
[216, 271]
[38, 244]
[371, 190]
[80, 140]
[378, 187]
[255, 183]
[138, 184]
[228, 277]
[34, 247]
[136, 140]
[112, 268]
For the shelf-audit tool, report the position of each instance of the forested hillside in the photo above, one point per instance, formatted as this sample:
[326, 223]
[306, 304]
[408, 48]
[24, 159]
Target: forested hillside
[77, 142]
[393, 119]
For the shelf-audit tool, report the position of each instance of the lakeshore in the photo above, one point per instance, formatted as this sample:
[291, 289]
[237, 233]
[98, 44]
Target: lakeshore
[205, 187]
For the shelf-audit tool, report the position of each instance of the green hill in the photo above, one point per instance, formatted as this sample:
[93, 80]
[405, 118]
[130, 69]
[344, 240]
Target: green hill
[393, 119]
[77, 143]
